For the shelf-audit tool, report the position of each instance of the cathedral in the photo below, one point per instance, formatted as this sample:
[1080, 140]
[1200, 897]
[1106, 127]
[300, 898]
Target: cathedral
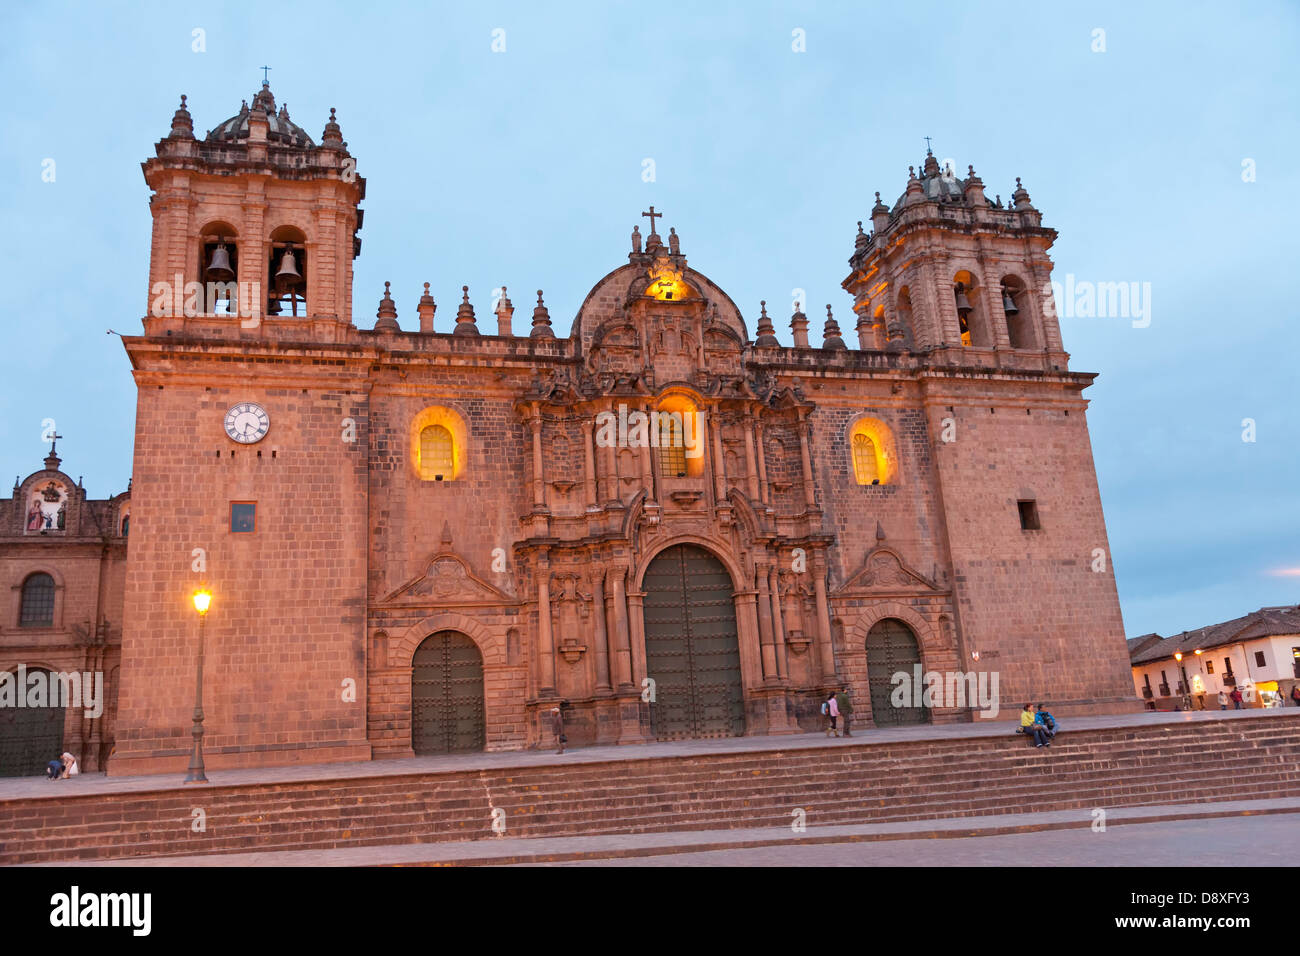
[424, 533]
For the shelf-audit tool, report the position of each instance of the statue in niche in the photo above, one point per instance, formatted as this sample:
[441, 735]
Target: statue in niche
[35, 517]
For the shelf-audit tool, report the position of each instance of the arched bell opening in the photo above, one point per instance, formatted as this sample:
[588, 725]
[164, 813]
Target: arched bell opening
[287, 272]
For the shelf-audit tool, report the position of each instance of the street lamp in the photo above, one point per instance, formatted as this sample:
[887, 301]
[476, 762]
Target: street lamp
[202, 599]
[1187, 688]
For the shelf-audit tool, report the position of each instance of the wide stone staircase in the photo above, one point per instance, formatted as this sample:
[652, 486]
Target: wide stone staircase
[844, 782]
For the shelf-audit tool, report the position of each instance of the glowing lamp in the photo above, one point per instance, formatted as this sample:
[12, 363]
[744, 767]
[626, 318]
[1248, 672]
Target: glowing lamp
[1178, 655]
[202, 598]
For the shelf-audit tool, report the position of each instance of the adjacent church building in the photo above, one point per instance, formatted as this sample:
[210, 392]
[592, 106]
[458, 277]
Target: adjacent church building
[423, 533]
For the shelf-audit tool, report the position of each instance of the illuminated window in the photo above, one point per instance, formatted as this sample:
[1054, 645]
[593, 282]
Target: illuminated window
[437, 458]
[672, 450]
[871, 448]
[864, 460]
[37, 602]
[679, 432]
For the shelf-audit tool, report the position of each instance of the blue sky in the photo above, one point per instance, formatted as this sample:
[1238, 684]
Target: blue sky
[525, 167]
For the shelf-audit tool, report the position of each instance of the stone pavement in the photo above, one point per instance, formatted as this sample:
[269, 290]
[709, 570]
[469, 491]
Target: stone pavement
[95, 783]
[686, 848]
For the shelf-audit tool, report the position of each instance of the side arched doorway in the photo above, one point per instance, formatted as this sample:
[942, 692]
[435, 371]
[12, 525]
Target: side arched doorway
[691, 648]
[30, 737]
[447, 695]
[891, 649]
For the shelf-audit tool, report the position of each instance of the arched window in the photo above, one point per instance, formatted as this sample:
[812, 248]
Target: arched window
[437, 453]
[970, 317]
[1014, 304]
[874, 458]
[219, 269]
[439, 444]
[864, 460]
[678, 431]
[37, 601]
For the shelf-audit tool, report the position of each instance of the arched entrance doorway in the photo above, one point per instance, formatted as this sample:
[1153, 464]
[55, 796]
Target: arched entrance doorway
[30, 737]
[891, 649]
[691, 649]
[447, 695]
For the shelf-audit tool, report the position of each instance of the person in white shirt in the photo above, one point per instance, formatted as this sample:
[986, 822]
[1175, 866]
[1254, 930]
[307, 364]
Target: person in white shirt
[70, 768]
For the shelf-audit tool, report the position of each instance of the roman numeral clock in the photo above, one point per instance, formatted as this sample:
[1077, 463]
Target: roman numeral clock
[247, 423]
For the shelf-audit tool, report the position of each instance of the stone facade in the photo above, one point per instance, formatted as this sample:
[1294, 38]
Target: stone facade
[61, 607]
[938, 476]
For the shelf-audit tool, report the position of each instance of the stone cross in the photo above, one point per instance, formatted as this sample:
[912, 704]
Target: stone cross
[653, 216]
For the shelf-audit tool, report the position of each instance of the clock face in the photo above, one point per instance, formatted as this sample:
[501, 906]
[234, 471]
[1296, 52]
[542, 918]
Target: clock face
[247, 423]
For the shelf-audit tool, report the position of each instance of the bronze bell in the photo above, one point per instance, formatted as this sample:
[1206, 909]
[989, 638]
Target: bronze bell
[219, 268]
[288, 273]
[963, 304]
[1008, 303]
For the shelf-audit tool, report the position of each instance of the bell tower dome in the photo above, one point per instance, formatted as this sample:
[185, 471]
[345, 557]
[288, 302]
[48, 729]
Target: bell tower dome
[255, 227]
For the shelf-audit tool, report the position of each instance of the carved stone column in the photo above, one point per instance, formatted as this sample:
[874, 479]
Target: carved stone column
[763, 491]
[778, 624]
[825, 649]
[545, 638]
[589, 456]
[539, 484]
[805, 459]
[751, 466]
[765, 627]
[622, 636]
[601, 639]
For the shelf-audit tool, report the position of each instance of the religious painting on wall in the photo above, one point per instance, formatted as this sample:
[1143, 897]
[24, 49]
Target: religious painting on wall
[48, 510]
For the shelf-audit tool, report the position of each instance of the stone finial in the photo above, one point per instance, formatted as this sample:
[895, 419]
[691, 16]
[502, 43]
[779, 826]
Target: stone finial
[1020, 198]
[505, 314]
[182, 122]
[465, 315]
[861, 240]
[880, 531]
[973, 190]
[879, 216]
[426, 308]
[831, 338]
[333, 135]
[541, 320]
[636, 238]
[445, 537]
[915, 193]
[766, 330]
[931, 167]
[387, 314]
[799, 326]
[674, 243]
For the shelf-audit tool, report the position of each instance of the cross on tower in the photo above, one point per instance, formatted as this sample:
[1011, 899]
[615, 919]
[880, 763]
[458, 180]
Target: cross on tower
[653, 216]
[265, 70]
[927, 145]
[54, 441]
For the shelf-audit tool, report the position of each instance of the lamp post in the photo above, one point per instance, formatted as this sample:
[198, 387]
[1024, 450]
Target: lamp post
[1187, 688]
[202, 599]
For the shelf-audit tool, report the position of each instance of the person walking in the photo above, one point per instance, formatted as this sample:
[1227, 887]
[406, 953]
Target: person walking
[831, 710]
[1236, 698]
[845, 703]
[1223, 700]
[557, 728]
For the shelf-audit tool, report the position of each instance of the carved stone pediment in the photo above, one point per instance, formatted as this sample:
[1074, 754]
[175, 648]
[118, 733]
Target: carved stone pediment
[884, 571]
[447, 580]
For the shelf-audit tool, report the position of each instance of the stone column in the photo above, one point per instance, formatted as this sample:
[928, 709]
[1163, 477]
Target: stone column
[750, 463]
[589, 455]
[765, 627]
[763, 491]
[719, 463]
[825, 648]
[647, 473]
[539, 485]
[622, 636]
[545, 639]
[601, 637]
[610, 455]
[636, 623]
[778, 624]
[805, 459]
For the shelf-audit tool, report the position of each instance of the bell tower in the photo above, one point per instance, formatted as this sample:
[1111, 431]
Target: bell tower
[949, 269]
[255, 227]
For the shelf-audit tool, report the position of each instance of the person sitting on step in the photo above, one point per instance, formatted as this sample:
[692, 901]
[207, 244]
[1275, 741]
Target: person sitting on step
[1028, 725]
[1045, 718]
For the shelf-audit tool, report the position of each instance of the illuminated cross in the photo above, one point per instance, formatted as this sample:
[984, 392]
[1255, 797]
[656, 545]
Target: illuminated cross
[264, 70]
[653, 216]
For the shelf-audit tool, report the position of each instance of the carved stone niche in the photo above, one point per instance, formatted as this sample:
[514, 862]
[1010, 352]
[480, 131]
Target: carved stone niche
[572, 649]
[797, 641]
